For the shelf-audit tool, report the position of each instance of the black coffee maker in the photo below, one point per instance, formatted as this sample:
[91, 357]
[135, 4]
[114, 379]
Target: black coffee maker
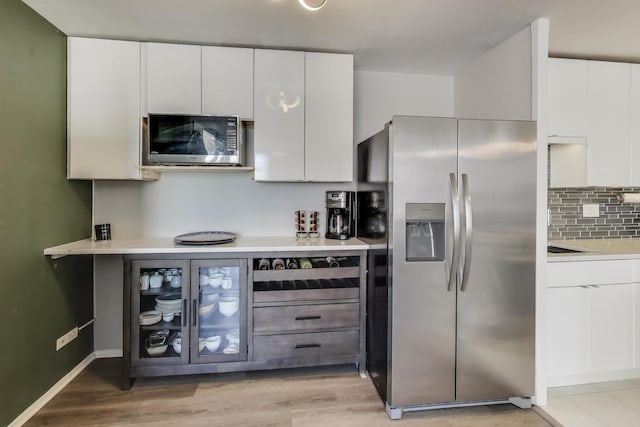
[340, 215]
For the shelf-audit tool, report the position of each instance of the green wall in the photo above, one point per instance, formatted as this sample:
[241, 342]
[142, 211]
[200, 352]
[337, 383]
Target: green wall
[40, 299]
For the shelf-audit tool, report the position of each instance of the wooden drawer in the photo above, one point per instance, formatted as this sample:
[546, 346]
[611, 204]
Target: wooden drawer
[306, 317]
[306, 295]
[315, 345]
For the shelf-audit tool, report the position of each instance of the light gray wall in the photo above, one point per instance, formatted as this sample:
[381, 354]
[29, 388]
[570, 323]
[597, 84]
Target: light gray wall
[382, 95]
[498, 84]
[183, 202]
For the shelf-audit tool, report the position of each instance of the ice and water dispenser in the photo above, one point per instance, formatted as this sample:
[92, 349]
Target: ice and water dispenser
[425, 231]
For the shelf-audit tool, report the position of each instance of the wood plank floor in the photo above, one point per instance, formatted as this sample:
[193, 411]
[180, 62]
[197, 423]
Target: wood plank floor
[334, 396]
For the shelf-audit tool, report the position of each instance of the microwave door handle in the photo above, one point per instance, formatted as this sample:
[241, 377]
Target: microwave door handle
[465, 262]
[450, 267]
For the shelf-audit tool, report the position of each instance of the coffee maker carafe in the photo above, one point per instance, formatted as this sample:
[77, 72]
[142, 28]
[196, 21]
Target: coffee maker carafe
[340, 215]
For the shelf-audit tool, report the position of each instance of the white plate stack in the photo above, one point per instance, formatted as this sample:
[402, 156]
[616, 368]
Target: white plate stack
[169, 303]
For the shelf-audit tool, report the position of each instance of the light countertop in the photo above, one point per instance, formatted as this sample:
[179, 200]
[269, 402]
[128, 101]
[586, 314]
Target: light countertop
[165, 245]
[596, 249]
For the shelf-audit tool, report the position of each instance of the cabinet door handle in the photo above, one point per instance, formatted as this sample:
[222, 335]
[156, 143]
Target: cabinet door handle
[307, 345]
[184, 313]
[308, 317]
[194, 312]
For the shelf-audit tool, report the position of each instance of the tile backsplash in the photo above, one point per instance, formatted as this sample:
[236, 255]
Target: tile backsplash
[616, 220]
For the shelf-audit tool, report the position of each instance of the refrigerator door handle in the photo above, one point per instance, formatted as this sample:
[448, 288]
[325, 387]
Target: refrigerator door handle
[455, 210]
[465, 260]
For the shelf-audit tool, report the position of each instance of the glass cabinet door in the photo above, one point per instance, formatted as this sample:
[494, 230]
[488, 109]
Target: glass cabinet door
[219, 310]
[159, 312]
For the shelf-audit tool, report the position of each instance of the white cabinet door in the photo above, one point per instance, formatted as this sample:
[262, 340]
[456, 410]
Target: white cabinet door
[568, 165]
[328, 117]
[636, 317]
[567, 97]
[609, 151]
[567, 331]
[173, 77]
[103, 109]
[279, 115]
[227, 81]
[634, 122]
[611, 328]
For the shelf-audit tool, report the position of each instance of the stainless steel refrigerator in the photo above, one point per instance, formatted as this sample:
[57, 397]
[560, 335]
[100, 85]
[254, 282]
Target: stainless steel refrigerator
[448, 207]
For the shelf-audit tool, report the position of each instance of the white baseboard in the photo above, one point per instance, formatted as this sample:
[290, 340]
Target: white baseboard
[106, 354]
[57, 387]
[592, 377]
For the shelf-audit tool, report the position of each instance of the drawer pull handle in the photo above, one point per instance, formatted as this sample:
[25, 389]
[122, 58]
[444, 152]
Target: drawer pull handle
[307, 345]
[308, 317]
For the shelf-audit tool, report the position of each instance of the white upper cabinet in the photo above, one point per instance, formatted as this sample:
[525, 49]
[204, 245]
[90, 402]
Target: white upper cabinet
[227, 81]
[634, 120]
[173, 78]
[328, 123]
[604, 113]
[103, 104]
[567, 98]
[303, 112]
[279, 115]
[608, 142]
[209, 80]
[568, 165]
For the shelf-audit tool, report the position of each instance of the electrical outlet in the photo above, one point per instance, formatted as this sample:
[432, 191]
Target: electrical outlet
[590, 210]
[66, 338]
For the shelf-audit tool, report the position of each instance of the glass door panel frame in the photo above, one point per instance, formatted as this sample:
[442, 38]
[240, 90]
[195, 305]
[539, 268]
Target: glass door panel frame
[179, 323]
[239, 285]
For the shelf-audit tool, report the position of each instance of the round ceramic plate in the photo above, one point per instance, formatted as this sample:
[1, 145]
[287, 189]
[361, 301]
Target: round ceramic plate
[205, 238]
[150, 317]
[168, 298]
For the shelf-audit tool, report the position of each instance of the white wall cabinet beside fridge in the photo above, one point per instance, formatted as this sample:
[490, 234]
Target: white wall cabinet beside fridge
[328, 125]
[609, 149]
[590, 318]
[567, 106]
[303, 108]
[634, 120]
[103, 101]
[592, 99]
[567, 99]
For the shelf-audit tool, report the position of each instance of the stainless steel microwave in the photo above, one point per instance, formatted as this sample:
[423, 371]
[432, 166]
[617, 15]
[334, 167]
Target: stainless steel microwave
[195, 140]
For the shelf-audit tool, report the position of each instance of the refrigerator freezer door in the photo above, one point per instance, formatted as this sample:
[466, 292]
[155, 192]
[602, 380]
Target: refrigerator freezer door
[422, 311]
[496, 310]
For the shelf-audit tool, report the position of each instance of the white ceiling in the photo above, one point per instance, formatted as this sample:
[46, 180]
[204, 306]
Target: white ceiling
[422, 36]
